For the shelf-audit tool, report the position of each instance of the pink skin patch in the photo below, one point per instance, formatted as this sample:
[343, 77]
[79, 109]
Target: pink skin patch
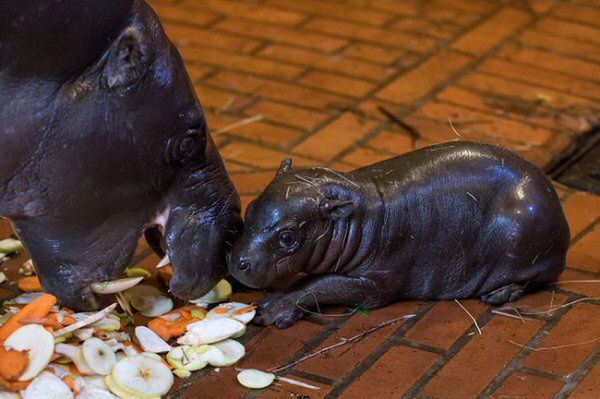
[162, 217]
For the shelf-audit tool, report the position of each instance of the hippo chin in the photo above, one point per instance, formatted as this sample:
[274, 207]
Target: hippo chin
[101, 139]
[453, 220]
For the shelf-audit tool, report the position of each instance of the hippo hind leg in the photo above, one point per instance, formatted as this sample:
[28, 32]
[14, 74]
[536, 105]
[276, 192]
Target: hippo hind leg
[508, 293]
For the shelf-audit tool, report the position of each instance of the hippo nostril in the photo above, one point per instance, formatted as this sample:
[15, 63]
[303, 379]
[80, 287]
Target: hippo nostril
[244, 264]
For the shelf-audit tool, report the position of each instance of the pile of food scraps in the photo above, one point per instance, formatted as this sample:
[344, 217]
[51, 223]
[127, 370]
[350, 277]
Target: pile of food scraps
[51, 351]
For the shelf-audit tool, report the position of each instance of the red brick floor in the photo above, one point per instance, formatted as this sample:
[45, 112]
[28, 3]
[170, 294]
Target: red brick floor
[320, 75]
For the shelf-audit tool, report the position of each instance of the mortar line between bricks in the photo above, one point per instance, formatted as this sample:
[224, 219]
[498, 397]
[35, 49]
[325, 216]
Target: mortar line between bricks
[542, 333]
[385, 82]
[455, 348]
[541, 373]
[575, 39]
[376, 353]
[579, 374]
[370, 94]
[407, 109]
[584, 232]
[555, 51]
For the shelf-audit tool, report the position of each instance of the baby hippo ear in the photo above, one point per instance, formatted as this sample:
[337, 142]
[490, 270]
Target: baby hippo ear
[126, 64]
[285, 167]
[336, 209]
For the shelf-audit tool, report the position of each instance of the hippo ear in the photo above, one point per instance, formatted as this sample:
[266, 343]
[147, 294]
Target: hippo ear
[126, 64]
[336, 209]
[285, 167]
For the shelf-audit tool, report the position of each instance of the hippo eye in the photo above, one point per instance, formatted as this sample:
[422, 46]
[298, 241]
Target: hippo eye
[287, 239]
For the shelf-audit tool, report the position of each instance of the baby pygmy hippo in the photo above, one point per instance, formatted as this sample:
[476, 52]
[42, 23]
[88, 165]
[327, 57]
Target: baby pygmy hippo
[453, 220]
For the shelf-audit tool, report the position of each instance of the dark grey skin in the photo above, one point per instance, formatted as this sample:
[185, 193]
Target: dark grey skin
[102, 138]
[454, 220]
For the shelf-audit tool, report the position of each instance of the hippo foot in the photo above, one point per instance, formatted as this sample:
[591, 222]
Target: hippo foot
[508, 293]
[278, 309]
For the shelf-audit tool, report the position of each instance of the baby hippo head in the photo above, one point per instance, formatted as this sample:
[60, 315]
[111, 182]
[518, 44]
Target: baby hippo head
[292, 226]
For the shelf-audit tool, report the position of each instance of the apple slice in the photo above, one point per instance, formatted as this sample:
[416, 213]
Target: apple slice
[114, 286]
[232, 351]
[10, 245]
[82, 366]
[98, 355]
[123, 393]
[39, 345]
[148, 300]
[188, 358]
[47, 386]
[255, 379]
[149, 341]
[232, 310]
[219, 293]
[143, 375]
[208, 331]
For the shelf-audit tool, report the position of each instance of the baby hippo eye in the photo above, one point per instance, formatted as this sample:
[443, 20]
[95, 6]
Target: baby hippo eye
[287, 239]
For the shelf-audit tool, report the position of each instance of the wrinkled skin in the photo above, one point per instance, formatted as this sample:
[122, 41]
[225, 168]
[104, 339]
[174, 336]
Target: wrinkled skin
[454, 220]
[102, 138]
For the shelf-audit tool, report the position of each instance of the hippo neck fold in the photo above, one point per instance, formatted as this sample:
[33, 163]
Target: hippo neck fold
[338, 246]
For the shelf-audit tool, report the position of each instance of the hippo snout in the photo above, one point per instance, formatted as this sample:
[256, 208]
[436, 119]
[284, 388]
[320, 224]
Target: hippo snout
[248, 271]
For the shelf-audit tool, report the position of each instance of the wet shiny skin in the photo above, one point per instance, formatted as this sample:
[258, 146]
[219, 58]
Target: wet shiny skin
[453, 220]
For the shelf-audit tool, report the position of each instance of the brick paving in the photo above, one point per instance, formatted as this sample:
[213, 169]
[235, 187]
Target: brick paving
[323, 77]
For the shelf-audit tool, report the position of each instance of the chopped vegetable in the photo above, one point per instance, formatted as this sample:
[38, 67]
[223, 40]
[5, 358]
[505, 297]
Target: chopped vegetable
[174, 323]
[47, 385]
[164, 262]
[255, 379]
[98, 356]
[210, 330]
[82, 323]
[232, 351]
[12, 363]
[142, 375]
[30, 284]
[165, 274]
[39, 345]
[36, 309]
[219, 293]
[10, 245]
[235, 310]
[112, 287]
[149, 341]
[137, 272]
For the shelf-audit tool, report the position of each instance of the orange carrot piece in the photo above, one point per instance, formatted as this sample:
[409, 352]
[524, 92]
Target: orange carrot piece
[185, 313]
[221, 310]
[36, 309]
[165, 273]
[12, 363]
[30, 284]
[13, 385]
[246, 309]
[73, 370]
[160, 328]
[71, 384]
[45, 321]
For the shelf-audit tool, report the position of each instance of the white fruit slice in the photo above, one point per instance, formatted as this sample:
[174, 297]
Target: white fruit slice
[189, 358]
[66, 350]
[152, 305]
[164, 262]
[84, 333]
[149, 341]
[98, 355]
[114, 286]
[47, 386]
[7, 394]
[123, 393]
[95, 393]
[27, 297]
[219, 293]
[143, 375]
[81, 363]
[232, 351]
[255, 379]
[39, 345]
[95, 381]
[84, 321]
[109, 323]
[231, 309]
[10, 245]
[208, 331]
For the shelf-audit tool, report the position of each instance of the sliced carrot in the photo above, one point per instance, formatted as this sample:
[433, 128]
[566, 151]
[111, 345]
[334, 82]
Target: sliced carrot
[246, 309]
[165, 274]
[36, 309]
[13, 385]
[185, 313]
[12, 363]
[71, 384]
[45, 321]
[30, 284]
[66, 320]
[221, 310]
[73, 370]
[160, 328]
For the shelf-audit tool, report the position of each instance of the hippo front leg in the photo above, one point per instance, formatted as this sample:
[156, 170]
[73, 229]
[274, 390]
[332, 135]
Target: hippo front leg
[283, 309]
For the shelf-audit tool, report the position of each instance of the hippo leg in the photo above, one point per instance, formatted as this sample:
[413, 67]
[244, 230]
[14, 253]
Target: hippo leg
[508, 293]
[283, 309]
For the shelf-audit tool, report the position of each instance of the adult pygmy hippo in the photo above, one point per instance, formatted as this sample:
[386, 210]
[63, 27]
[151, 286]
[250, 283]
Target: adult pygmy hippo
[453, 220]
[101, 138]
